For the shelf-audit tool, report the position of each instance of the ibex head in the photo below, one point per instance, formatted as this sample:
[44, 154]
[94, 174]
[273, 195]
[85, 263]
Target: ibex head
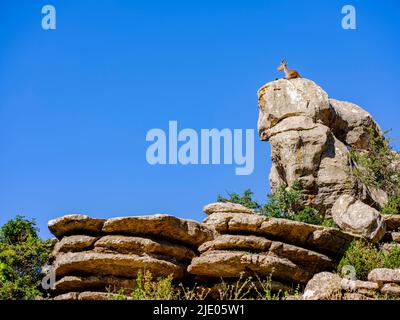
[282, 65]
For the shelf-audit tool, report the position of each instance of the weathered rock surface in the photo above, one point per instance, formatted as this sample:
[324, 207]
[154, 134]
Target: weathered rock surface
[323, 286]
[74, 244]
[310, 137]
[163, 226]
[120, 265]
[392, 222]
[395, 236]
[230, 264]
[324, 239]
[357, 217]
[237, 242]
[90, 283]
[384, 275]
[76, 224]
[327, 285]
[137, 245]
[226, 207]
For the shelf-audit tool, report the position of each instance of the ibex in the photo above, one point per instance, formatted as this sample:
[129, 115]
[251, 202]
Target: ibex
[289, 73]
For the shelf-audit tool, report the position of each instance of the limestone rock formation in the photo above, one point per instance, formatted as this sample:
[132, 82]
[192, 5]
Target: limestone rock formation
[310, 137]
[355, 216]
[93, 255]
[323, 286]
[250, 244]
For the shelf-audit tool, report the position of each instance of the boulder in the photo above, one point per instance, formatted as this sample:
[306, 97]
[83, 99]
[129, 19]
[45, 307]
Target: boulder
[322, 239]
[231, 264]
[226, 207]
[138, 245]
[384, 275]
[119, 265]
[74, 244]
[89, 283]
[323, 286]
[164, 226]
[75, 224]
[351, 124]
[354, 216]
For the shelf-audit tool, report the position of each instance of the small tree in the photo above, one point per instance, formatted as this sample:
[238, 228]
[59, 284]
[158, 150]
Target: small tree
[22, 255]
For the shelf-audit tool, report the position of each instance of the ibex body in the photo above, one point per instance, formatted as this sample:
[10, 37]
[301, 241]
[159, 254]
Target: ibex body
[289, 73]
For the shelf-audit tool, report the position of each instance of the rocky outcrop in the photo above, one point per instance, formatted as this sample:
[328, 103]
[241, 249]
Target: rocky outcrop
[310, 137]
[329, 286]
[93, 255]
[355, 216]
[250, 244]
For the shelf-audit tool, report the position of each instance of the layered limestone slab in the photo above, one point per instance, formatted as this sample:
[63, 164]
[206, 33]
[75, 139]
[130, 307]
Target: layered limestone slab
[355, 216]
[120, 265]
[90, 283]
[392, 222]
[323, 239]
[230, 264]
[163, 226]
[88, 295]
[310, 260]
[226, 207]
[138, 245]
[75, 224]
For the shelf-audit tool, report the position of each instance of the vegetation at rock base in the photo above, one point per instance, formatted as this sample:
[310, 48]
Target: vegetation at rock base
[283, 203]
[376, 168]
[365, 257]
[22, 255]
[163, 288]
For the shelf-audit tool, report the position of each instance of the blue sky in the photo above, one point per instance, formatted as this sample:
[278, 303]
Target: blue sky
[76, 103]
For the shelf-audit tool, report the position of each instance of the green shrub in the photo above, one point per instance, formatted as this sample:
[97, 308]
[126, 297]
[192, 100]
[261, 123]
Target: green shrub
[22, 255]
[365, 257]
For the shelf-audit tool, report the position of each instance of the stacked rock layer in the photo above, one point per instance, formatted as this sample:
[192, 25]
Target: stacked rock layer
[248, 244]
[93, 256]
[328, 286]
